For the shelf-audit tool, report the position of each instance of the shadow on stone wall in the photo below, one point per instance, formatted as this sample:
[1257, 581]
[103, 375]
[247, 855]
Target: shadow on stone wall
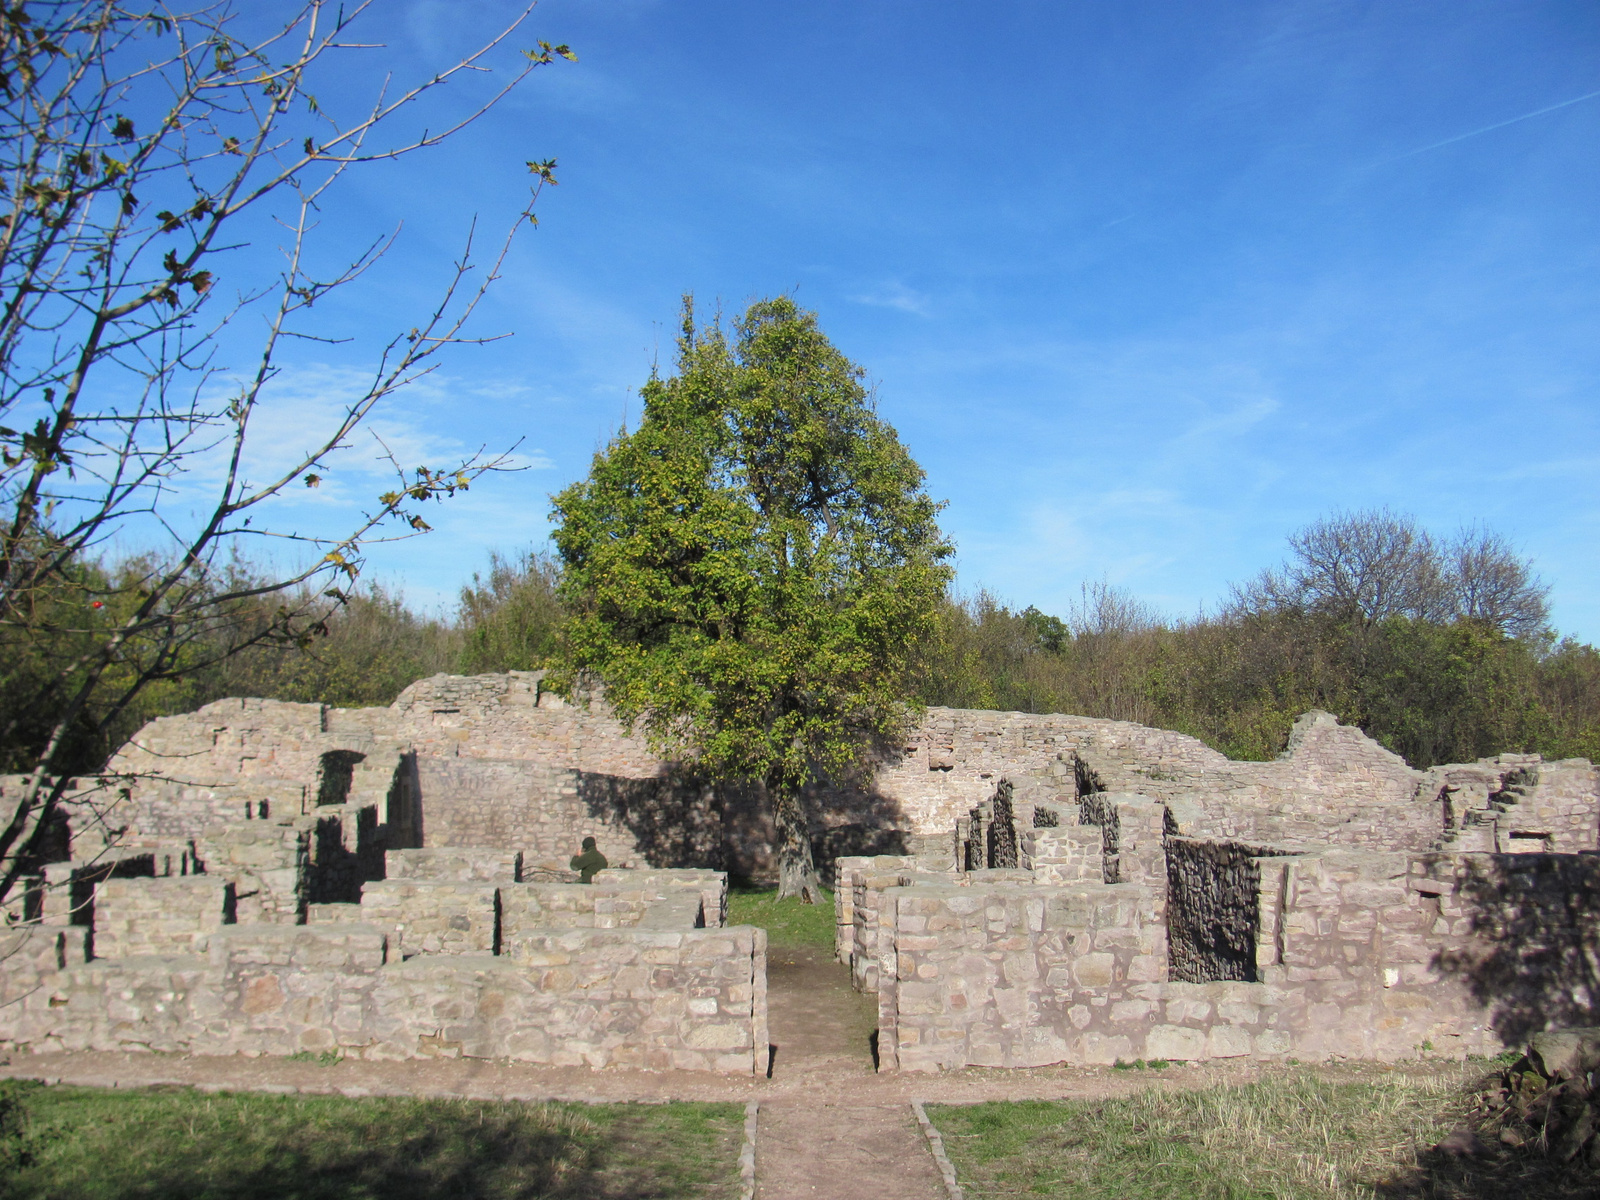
[679, 820]
[850, 816]
[840, 841]
[675, 818]
[336, 873]
[1536, 924]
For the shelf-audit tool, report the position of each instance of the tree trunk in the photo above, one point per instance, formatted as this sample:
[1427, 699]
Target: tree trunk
[797, 873]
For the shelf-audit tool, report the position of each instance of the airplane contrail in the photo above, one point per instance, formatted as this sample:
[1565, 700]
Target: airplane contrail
[1461, 137]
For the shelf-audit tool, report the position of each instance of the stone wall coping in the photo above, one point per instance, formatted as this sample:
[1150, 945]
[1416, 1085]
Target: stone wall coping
[389, 887]
[457, 964]
[168, 883]
[332, 932]
[148, 962]
[665, 938]
[1022, 891]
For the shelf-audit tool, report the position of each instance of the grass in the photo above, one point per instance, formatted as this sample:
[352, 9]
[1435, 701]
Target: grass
[788, 923]
[1289, 1135]
[179, 1144]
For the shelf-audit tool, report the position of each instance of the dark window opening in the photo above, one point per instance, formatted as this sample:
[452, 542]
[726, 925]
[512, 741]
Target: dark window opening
[337, 774]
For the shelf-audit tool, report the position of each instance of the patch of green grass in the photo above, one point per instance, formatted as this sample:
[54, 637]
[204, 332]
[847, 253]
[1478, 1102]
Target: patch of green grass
[787, 922]
[325, 1058]
[179, 1144]
[1287, 1137]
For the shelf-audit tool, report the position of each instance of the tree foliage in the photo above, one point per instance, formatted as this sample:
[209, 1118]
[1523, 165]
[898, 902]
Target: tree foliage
[749, 571]
[510, 619]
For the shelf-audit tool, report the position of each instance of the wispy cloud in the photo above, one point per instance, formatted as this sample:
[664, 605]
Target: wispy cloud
[1472, 133]
[896, 295]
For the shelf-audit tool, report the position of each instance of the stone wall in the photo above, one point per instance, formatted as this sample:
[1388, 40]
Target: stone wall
[1522, 932]
[455, 864]
[610, 974]
[495, 760]
[1010, 975]
[1515, 804]
[159, 916]
[1061, 889]
[687, 1000]
[547, 811]
[428, 917]
[1358, 954]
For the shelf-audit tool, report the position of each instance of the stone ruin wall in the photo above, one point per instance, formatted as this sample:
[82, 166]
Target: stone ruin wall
[495, 760]
[454, 956]
[1156, 900]
[1368, 956]
[1233, 951]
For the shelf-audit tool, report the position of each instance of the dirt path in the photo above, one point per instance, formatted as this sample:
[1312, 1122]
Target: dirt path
[824, 1144]
[806, 1150]
[814, 1017]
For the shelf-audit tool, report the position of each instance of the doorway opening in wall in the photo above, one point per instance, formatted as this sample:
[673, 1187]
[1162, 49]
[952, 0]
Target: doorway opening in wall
[335, 775]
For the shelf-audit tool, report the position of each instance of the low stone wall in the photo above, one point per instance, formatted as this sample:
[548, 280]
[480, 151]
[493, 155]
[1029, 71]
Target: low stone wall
[453, 864]
[695, 999]
[710, 886]
[1356, 954]
[685, 1000]
[429, 917]
[534, 908]
[1009, 975]
[860, 881]
[1065, 854]
[268, 862]
[159, 916]
[1521, 935]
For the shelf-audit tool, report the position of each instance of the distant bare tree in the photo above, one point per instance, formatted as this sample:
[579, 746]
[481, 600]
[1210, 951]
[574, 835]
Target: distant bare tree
[1494, 584]
[139, 149]
[1373, 564]
[1105, 609]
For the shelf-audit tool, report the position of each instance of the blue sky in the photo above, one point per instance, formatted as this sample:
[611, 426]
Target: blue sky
[1143, 285]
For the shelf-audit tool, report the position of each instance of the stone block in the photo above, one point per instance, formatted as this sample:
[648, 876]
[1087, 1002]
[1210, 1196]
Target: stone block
[1094, 970]
[1175, 1042]
[1099, 1049]
[1228, 1041]
[1123, 1011]
[1147, 968]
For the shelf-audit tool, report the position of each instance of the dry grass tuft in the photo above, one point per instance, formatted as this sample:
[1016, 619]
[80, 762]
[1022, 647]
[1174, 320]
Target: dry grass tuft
[1293, 1134]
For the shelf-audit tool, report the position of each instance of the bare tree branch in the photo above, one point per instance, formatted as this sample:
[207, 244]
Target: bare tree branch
[138, 148]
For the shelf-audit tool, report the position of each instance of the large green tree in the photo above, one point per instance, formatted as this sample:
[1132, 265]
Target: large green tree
[749, 571]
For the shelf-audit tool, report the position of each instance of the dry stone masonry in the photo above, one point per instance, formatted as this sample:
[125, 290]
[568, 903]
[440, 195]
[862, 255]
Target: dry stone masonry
[267, 878]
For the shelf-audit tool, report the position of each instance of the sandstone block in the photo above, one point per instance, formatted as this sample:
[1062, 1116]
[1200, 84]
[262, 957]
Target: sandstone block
[1094, 970]
[1175, 1042]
